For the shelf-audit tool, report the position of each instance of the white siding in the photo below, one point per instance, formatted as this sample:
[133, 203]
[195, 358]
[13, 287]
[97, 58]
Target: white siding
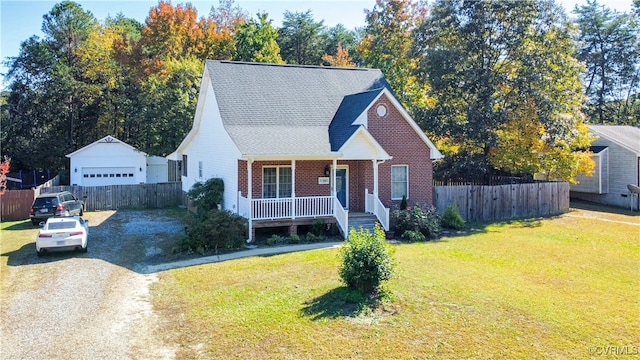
[114, 155]
[212, 146]
[598, 183]
[359, 148]
[622, 170]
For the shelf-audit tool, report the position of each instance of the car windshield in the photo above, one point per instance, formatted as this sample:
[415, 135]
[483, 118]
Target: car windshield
[48, 201]
[62, 225]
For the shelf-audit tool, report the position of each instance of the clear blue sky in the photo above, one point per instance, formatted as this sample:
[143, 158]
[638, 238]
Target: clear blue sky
[20, 19]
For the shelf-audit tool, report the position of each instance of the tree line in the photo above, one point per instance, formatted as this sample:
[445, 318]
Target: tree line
[502, 86]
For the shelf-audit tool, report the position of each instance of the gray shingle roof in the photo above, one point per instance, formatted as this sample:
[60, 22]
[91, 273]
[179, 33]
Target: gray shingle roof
[284, 109]
[625, 135]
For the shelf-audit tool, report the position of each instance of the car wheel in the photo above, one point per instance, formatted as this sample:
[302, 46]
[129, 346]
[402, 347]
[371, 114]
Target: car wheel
[84, 249]
[81, 211]
[39, 253]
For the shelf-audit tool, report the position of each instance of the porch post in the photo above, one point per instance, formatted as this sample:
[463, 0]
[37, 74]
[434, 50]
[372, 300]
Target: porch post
[249, 197]
[333, 178]
[293, 189]
[375, 177]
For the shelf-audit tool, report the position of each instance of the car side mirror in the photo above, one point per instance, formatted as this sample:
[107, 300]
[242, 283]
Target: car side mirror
[86, 221]
[41, 224]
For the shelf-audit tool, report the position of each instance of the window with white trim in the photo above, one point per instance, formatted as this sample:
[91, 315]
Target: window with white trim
[276, 182]
[399, 181]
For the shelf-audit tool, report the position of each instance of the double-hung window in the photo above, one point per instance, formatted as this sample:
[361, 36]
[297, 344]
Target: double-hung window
[276, 182]
[399, 181]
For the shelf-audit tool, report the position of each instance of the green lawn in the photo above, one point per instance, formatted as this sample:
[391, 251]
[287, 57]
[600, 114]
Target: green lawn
[555, 288]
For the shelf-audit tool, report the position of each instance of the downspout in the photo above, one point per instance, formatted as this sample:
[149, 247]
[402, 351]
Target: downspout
[249, 197]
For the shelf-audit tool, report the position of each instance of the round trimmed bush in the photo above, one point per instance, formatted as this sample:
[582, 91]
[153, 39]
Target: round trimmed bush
[366, 260]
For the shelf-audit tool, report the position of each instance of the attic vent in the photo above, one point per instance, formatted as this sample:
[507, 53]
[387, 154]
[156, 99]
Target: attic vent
[381, 110]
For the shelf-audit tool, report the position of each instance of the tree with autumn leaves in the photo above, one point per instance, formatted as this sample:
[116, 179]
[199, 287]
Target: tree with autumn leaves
[496, 83]
[86, 79]
[4, 170]
[506, 89]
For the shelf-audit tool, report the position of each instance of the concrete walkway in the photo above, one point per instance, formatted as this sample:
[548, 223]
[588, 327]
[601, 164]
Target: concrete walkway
[265, 251]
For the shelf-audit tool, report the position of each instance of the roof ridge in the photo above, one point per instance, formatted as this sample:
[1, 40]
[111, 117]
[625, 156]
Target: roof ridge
[376, 90]
[292, 65]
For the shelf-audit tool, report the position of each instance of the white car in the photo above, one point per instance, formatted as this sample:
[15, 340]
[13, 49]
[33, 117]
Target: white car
[63, 233]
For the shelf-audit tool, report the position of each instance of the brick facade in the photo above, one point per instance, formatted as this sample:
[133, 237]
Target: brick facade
[406, 147]
[307, 173]
[394, 134]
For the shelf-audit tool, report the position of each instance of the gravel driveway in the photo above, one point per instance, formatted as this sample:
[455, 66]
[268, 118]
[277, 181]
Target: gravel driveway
[94, 305]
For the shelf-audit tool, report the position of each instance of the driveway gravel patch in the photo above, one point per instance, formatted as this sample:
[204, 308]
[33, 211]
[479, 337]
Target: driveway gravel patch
[89, 306]
[97, 305]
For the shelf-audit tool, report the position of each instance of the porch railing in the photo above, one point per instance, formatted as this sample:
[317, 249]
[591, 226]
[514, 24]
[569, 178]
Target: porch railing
[373, 205]
[244, 206]
[285, 208]
[312, 206]
[291, 208]
[266, 209]
[342, 217]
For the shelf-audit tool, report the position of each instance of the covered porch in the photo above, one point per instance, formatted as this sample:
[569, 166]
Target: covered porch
[296, 192]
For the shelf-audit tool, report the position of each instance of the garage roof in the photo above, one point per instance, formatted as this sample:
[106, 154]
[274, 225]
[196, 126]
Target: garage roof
[108, 140]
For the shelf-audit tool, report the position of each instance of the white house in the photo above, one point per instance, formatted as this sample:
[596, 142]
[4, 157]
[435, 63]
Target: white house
[616, 152]
[297, 143]
[110, 161]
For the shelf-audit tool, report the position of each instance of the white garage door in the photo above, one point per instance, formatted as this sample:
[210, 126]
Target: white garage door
[94, 176]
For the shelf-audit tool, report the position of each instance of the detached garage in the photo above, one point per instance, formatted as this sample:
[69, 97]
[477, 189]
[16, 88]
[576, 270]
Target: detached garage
[108, 161]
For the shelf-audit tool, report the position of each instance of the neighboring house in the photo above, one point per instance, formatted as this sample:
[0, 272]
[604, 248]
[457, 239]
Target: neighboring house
[294, 143]
[616, 152]
[110, 161]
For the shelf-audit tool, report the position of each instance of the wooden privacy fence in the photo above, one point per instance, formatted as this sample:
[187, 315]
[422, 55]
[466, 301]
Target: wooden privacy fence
[503, 202]
[112, 197]
[15, 204]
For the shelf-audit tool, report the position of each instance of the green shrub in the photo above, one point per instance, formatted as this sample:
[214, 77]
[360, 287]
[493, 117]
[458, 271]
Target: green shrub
[413, 236]
[294, 238]
[403, 202]
[276, 240]
[367, 259]
[425, 222]
[318, 227]
[311, 237]
[451, 218]
[214, 230]
[206, 196]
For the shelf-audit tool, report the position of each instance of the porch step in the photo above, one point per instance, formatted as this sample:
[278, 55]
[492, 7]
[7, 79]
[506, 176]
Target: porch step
[364, 220]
